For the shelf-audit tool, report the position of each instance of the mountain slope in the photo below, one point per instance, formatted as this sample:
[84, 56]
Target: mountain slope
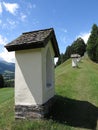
[5, 66]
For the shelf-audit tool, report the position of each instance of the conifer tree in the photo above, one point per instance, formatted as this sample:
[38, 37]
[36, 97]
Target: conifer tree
[1, 81]
[78, 47]
[92, 44]
[97, 51]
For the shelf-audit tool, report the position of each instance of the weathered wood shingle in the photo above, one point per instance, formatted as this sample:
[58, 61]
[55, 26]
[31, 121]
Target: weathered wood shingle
[34, 39]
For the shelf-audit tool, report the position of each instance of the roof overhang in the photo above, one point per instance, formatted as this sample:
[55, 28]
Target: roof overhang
[19, 44]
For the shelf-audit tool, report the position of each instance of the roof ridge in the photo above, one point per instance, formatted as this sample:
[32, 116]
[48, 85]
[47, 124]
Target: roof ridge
[38, 30]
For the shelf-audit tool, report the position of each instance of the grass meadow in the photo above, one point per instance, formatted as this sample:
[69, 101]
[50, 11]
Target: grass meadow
[76, 101]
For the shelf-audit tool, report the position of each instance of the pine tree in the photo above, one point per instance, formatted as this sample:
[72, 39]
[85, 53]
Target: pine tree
[60, 59]
[92, 43]
[67, 53]
[78, 47]
[97, 50]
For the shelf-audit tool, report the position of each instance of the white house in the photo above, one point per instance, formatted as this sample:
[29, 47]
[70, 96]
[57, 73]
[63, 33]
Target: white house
[34, 72]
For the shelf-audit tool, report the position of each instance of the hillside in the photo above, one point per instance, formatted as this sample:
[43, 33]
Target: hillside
[78, 83]
[6, 66]
[7, 70]
[76, 104]
[78, 89]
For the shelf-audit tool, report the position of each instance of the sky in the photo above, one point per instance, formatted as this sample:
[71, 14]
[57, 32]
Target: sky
[69, 18]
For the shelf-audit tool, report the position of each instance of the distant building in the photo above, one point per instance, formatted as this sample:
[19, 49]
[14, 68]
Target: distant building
[75, 59]
[34, 72]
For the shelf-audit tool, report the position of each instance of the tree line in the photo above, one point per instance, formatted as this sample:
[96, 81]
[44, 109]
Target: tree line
[5, 83]
[80, 47]
[77, 47]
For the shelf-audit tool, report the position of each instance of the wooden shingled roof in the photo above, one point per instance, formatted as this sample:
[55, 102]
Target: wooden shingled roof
[34, 39]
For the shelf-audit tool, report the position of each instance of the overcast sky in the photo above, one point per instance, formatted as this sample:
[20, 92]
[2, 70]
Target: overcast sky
[69, 18]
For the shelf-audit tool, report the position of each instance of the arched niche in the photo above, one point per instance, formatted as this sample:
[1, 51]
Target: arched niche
[49, 69]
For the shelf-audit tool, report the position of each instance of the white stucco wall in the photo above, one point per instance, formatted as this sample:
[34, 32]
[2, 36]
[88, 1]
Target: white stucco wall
[74, 62]
[28, 77]
[31, 78]
[48, 92]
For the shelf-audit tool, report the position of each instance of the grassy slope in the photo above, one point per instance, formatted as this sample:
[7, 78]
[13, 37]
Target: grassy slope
[78, 83]
[72, 84]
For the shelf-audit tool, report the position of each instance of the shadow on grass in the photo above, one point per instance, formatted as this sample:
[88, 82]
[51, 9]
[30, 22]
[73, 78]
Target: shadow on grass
[74, 113]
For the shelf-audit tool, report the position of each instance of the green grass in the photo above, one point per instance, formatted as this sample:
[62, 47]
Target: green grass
[78, 83]
[75, 105]
[6, 108]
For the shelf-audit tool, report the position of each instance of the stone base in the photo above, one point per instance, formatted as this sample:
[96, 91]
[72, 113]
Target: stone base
[33, 112]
